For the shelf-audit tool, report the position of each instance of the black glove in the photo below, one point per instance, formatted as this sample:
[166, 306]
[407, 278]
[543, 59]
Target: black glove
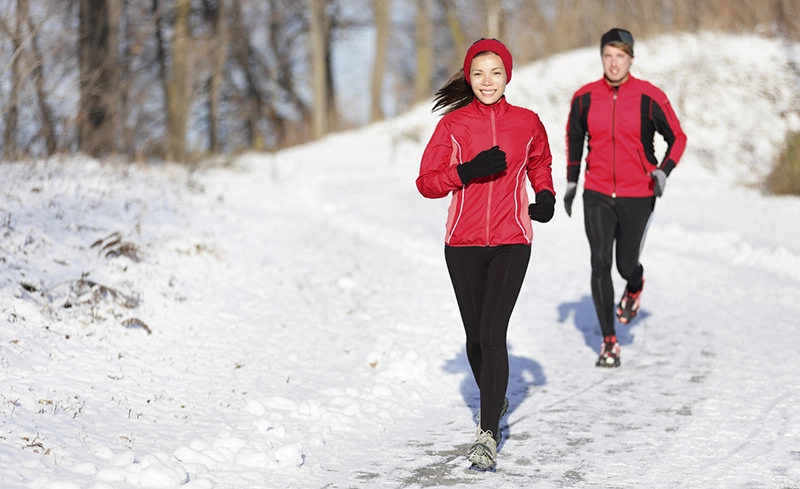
[544, 208]
[569, 196]
[487, 162]
[659, 182]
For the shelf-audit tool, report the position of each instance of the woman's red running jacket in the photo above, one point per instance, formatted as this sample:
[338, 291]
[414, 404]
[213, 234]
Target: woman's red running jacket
[493, 210]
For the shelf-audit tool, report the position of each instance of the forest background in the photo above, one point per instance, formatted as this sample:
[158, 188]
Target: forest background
[181, 80]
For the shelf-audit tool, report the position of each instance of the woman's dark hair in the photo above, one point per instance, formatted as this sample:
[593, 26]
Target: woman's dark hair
[456, 93]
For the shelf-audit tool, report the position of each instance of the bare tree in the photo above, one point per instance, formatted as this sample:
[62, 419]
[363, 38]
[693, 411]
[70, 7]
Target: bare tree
[318, 36]
[251, 99]
[99, 76]
[47, 122]
[382, 32]
[12, 110]
[787, 17]
[140, 64]
[250, 74]
[179, 83]
[454, 25]
[293, 23]
[218, 15]
[495, 19]
[425, 46]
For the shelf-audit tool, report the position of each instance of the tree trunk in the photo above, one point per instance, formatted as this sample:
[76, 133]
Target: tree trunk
[254, 103]
[217, 75]
[382, 31]
[331, 92]
[282, 74]
[424, 43]
[179, 84]
[454, 25]
[495, 21]
[99, 79]
[12, 113]
[48, 127]
[319, 69]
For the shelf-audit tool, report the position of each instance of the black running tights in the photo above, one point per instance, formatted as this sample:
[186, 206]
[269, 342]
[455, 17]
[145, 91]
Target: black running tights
[487, 281]
[607, 220]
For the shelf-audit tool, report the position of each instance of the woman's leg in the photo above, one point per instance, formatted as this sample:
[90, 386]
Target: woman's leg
[468, 268]
[487, 282]
[507, 270]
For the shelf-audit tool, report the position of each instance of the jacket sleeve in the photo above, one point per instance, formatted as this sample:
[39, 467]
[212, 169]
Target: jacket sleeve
[540, 160]
[668, 125]
[438, 174]
[576, 134]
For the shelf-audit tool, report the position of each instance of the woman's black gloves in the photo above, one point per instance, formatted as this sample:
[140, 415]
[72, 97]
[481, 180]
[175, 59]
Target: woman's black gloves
[544, 208]
[487, 162]
[493, 160]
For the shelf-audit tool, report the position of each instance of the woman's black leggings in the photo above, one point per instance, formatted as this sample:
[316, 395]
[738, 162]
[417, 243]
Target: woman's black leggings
[487, 281]
[625, 221]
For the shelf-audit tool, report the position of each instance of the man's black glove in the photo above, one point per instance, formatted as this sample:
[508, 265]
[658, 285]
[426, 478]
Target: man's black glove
[569, 196]
[487, 162]
[659, 182]
[544, 208]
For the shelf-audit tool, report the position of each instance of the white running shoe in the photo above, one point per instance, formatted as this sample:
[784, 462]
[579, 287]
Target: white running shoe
[483, 452]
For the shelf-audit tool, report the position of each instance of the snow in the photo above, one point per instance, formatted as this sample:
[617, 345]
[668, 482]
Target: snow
[286, 320]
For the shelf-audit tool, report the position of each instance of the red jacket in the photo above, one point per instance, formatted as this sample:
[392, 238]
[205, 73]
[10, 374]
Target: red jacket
[621, 123]
[493, 210]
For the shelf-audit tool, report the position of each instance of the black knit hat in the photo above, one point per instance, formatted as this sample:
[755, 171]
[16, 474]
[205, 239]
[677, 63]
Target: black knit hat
[617, 35]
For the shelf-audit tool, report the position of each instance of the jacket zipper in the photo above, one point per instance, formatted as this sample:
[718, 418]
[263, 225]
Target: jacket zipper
[491, 184]
[614, 144]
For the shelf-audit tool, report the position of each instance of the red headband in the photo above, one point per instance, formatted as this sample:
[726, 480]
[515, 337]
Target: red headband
[494, 46]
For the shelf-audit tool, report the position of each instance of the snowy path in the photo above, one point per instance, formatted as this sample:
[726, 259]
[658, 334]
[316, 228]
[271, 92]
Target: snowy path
[697, 402]
[340, 363]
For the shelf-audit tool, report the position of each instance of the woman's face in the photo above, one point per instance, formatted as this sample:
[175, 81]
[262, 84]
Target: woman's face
[616, 65]
[487, 77]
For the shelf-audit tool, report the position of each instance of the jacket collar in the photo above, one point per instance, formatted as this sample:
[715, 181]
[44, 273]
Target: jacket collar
[498, 107]
[611, 88]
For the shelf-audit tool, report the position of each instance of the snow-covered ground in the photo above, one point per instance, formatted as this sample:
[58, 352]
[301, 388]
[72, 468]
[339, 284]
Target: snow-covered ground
[286, 320]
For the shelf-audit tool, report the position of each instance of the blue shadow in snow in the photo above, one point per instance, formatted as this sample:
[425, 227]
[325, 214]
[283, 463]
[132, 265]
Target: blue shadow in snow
[524, 375]
[585, 321]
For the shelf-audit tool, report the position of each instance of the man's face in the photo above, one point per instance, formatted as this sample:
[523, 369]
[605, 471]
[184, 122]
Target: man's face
[616, 64]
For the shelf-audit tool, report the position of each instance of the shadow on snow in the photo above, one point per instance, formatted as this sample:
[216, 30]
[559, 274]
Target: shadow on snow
[585, 321]
[524, 375]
